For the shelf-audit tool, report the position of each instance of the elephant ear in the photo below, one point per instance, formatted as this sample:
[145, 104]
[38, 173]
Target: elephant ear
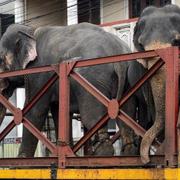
[26, 49]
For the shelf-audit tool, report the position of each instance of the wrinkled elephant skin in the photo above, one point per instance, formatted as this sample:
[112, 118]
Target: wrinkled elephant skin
[52, 45]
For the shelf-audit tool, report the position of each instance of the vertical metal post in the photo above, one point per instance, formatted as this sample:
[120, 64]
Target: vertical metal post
[64, 120]
[172, 61]
[63, 134]
[178, 138]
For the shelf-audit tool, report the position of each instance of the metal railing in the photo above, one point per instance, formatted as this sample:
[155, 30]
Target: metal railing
[62, 154]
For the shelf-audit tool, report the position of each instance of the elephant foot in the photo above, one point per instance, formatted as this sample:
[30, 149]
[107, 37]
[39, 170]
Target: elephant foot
[25, 153]
[103, 146]
[130, 149]
[130, 143]
[22, 155]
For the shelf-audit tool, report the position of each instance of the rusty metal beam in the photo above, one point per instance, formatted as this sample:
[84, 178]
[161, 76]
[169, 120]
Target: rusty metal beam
[93, 161]
[64, 99]
[171, 57]
[124, 116]
[100, 161]
[131, 123]
[124, 21]
[90, 133]
[114, 59]
[90, 88]
[28, 162]
[27, 71]
[8, 129]
[27, 107]
[7, 104]
[63, 148]
[141, 81]
[115, 137]
[39, 135]
[40, 93]
[115, 161]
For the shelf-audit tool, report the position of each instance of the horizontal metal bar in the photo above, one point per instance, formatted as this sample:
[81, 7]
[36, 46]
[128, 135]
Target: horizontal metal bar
[93, 161]
[115, 161]
[28, 162]
[120, 22]
[114, 59]
[27, 71]
[88, 62]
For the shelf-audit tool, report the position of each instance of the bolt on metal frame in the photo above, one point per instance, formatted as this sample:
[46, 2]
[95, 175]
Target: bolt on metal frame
[62, 154]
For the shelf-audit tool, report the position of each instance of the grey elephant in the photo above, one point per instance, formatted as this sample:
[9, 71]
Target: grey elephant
[23, 47]
[156, 28]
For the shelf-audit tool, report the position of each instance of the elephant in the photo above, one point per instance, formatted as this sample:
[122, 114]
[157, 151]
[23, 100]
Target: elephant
[156, 28]
[23, 47]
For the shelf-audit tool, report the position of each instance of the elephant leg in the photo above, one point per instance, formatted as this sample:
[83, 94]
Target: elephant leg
[103, 147]
[128, 137]
[158, 88]
[54, 107]
[37, 117]
[91, 110]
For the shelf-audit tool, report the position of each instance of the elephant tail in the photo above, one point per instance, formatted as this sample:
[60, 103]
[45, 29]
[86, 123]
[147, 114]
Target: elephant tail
[121, 72]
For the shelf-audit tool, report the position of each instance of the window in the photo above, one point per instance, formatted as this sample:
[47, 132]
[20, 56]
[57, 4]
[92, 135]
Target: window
[136, 6]
[6, 20]
[89, 11]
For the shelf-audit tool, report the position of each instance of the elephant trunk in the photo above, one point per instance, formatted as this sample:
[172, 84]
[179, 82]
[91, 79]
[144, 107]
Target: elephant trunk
[148, 139]
[158, 89]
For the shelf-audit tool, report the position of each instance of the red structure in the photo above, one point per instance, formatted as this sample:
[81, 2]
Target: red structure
[62, 154]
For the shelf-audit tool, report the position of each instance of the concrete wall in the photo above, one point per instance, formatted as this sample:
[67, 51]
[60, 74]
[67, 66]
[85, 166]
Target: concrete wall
[176, 2]
[113, 10]
[46, 12]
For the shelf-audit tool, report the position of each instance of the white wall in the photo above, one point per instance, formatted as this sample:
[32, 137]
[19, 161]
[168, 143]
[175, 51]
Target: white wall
[19, 11]
[177, 2]
[72, 12]
[7, 8]
[113, 10]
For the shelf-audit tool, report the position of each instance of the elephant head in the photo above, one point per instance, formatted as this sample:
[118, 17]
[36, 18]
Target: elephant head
[157, 28]
[17, 49]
